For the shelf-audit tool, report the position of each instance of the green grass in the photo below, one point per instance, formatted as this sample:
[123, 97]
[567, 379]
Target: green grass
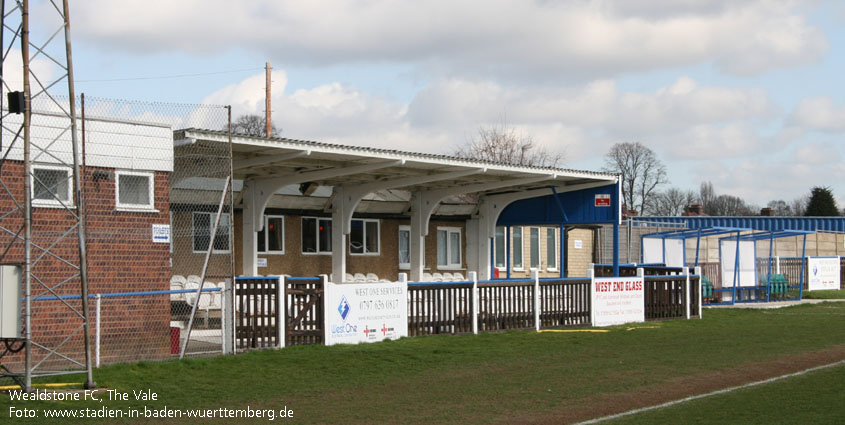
[468, 379]
[815, 398]
[835, 294]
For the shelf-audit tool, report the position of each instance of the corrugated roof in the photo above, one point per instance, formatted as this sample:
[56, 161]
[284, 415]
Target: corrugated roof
[368, 151]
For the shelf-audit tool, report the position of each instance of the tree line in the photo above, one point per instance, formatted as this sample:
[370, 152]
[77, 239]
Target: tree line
[643, 175]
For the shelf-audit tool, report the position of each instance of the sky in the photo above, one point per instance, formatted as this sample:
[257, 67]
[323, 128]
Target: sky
[748, 95]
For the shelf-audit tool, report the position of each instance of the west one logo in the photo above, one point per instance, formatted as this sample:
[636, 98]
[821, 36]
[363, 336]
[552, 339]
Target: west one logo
[343, 308]
[815, 270]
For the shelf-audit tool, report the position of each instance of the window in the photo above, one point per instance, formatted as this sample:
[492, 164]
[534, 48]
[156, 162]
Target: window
[316, 235]
[202, 222]
[271, 239]
[517, 249]
[134, 191]
[363, 237]
[500, 247]
[551, 249]
[51, 186]
[404, 247]
[534, 236]
[448, 247]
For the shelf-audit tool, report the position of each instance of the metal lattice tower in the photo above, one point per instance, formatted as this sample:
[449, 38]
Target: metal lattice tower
[51, 251]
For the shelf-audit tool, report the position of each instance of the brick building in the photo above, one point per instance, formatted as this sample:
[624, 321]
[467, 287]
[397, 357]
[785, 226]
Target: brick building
[126, 185]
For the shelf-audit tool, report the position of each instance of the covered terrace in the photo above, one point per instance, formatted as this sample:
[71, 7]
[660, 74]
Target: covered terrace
[369, 181]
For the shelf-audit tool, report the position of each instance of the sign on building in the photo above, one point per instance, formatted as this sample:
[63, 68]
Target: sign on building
[823, 273]
[161, 233]
[365, 312]
[602, 200]
[618, 300]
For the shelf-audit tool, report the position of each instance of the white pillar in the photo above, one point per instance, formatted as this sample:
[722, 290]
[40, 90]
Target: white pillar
[473, 245]
[249, 246]
[686, 293]
[338, 237]
[418, 234]
[535, 274]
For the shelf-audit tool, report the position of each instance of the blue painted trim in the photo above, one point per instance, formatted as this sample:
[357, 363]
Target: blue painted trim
[803, 260]
[560, 205]
[832, 224]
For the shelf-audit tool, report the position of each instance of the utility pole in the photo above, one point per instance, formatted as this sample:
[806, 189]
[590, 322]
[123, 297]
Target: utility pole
[267, 110]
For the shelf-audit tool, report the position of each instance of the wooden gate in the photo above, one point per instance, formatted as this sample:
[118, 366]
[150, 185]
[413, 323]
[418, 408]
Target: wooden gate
[257, 312]
[305, 319]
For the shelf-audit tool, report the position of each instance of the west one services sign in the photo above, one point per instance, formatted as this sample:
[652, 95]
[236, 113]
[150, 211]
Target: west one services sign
[618, 300]
[365, 312]
[823, 273]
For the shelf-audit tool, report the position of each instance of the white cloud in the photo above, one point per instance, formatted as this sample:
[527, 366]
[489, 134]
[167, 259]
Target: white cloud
[496, 38]
[819, 113]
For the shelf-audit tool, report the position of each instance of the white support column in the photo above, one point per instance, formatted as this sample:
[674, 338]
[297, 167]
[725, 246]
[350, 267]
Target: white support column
[417, 238]
[535, 274]
[484, 238]
[338, 237]
[281, 327]
[474, 247]
[98, 332]
[777, 265]
[686, 293]
[474, 278]
[249, 247]
[591, 274]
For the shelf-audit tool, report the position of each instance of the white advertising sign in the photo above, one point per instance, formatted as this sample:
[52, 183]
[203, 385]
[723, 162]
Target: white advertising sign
[823, 273]
[161, 233]
[747, 263]
[365, 312]
[261, 262]
[652, 250]
[618, 300]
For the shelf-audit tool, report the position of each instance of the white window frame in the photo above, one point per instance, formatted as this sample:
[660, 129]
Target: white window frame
[531, 258]
[552, 267]
[404, 228]
[504, 249]
[364, 222]
[211, 217]
[267, 237]
[134, 207]
[449, 265]
[51, 203]
[317, 233]
[521, 268]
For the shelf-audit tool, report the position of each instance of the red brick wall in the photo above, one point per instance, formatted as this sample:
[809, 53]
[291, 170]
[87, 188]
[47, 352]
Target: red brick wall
[121, 258]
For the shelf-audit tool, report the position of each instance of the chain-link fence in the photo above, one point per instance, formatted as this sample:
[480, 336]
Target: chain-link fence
[151, 204]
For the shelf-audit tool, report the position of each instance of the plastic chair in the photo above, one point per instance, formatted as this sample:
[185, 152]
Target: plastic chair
[426, 277]
[371, 277]
[359, 277]
[458, 277]
[436, 277]
[447, 277]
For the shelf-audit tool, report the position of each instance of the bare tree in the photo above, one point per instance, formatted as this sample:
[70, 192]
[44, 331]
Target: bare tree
[672, 202]
[780, 208]
[252, 125]
[506, 145]
[641, 170]
[799, 205]
[707, 197]
[729, 205]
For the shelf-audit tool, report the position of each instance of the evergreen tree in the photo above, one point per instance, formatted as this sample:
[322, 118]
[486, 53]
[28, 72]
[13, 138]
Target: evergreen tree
[821, 203]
